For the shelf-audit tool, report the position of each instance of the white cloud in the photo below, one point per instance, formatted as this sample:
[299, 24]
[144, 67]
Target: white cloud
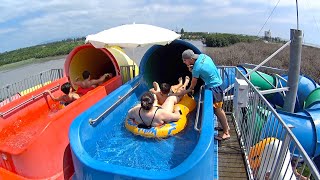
[7, 30]
[54, 19]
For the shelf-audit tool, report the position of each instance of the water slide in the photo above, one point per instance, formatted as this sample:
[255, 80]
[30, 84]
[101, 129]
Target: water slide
[305, 122]
[34, 129]
[102, 148]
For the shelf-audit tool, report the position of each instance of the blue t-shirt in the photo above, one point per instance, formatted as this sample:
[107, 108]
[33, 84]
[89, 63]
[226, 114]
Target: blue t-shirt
[205, 68]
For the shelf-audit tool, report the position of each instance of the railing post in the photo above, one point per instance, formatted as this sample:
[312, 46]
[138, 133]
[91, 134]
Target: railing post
[294, 69]
[41, 80]
[8, 93]
[279, 164]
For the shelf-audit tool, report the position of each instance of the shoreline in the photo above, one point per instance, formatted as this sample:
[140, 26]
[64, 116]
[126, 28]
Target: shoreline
[29, 61]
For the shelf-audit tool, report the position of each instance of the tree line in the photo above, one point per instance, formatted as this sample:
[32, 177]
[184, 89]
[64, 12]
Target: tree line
[41, 51]
[224, 39]
[65, 46]
[218, 39]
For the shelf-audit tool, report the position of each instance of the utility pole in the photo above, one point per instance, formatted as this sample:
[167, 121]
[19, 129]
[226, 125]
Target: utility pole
[294, 69]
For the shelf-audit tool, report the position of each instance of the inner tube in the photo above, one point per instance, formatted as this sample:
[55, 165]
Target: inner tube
[263, 155]
[186, 104]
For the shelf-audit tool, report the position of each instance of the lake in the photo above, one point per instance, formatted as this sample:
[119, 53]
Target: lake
[19, 73]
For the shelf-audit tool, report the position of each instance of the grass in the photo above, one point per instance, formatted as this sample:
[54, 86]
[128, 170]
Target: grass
[28, 61]
[256, 52]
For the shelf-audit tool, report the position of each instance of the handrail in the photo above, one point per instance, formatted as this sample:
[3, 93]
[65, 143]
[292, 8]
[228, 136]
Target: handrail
[26, 102]
[93, 121]
[261, 64]
[198, 109]
[280, 130]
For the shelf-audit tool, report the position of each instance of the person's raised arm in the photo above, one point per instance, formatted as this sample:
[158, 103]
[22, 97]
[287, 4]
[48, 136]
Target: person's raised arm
[100, 80]
[192, 86]
[52, 96]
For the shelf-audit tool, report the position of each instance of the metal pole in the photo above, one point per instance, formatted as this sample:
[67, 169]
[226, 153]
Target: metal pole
[294, 69]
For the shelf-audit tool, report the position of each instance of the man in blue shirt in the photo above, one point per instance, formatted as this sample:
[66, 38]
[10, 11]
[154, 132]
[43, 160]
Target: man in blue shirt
[202, 66]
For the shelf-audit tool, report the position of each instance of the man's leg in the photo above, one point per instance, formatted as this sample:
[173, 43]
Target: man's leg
[169, 103]
[176, 87]
[219, 112]
[186, 82]
[156, 86]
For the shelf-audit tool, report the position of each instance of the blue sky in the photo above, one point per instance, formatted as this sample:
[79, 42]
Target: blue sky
[26, 23]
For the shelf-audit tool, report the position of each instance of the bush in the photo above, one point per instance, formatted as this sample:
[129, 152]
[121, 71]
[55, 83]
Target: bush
[258, 51]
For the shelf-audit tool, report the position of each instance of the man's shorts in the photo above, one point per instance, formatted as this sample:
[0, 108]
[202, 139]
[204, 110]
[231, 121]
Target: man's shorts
[217, 94]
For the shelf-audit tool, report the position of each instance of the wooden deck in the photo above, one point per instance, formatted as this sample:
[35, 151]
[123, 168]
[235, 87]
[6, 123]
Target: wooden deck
[231, 164]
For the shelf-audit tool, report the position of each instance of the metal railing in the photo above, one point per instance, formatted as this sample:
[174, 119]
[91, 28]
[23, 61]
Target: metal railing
[227, 74]
[121, 98]
[15, 90]
[200, 102]
[270, 148]
[127, 73]
[33, 98]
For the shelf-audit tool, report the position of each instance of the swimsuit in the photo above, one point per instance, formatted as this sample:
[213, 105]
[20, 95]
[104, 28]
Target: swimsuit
[144, 125]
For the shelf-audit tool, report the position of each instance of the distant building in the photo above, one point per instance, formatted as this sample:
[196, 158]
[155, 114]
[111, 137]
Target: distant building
[267, 35]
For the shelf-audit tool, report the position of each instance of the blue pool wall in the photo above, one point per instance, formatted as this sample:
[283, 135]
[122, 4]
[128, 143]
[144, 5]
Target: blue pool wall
[201, 164]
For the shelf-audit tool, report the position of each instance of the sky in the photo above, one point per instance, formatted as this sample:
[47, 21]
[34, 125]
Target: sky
[25, 23]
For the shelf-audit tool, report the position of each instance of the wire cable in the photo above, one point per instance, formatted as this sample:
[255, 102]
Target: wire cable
[315, 21]
[268, 18]
[297, 9]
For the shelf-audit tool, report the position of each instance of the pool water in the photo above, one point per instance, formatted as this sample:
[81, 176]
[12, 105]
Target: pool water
[120, 147]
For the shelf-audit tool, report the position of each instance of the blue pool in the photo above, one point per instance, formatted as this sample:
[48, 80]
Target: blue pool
[120, 147]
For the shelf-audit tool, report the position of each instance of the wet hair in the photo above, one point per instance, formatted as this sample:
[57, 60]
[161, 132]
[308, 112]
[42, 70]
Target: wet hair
[147, 100]
[85, 74]
[165, 88]
[65, 88]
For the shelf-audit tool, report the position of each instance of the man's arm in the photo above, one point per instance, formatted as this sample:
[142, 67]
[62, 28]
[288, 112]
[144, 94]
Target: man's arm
[77, 82]
[75, 96]
[100, 80]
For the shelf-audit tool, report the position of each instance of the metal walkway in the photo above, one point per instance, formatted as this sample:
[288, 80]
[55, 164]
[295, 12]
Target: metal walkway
[231, 164]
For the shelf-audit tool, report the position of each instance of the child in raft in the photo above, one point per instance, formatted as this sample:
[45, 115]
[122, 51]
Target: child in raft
[163, 91]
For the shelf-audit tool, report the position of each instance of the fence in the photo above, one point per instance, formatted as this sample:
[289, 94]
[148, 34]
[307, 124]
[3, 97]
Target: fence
[15, 90]
[127, 72]
[270, 148]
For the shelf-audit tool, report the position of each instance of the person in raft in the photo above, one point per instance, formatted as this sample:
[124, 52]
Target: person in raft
[148, 115]
[202, 66]
[163, 91]
[68, 97]
[88, 84]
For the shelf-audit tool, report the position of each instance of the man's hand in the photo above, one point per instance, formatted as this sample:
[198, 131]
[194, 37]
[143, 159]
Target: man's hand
[108, 75]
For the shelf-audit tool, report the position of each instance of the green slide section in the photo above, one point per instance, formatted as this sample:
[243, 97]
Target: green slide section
[312, 98]
[262, 80]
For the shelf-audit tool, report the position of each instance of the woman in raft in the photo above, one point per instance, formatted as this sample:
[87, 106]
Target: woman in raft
[148, 114]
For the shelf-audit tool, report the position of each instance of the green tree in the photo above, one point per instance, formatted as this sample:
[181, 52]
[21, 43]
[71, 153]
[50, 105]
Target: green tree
[182, 31]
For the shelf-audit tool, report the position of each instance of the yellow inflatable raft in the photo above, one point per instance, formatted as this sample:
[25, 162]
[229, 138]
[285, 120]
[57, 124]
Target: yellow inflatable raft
[187, 104]
[256, 152]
